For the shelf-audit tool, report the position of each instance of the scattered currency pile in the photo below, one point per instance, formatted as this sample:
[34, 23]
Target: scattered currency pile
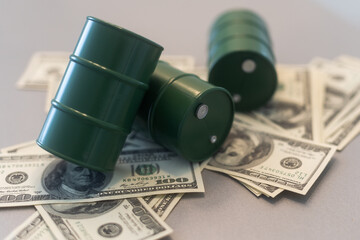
[285, 145]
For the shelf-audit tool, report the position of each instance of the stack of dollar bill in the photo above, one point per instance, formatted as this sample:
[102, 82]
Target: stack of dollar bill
[285, 145]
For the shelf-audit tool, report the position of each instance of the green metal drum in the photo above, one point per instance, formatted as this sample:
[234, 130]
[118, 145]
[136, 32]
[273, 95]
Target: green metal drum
[186, 114]
[239, 44]
[239, 31]
[241, 59]
[239, 17]
[99, 95]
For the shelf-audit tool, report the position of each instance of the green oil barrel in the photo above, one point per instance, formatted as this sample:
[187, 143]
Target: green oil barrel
[241, 59]
[239, 31]
[99, 95]
[239, 17]
[186, 114]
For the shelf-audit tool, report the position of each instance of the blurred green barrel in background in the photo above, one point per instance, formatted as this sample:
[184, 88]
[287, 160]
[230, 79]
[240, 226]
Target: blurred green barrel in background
[241, 59]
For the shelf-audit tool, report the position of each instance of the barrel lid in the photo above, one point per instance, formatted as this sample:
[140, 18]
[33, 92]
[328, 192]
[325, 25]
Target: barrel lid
[192, 117]
[206, 125]
[249, 77]
[123, 30]
[239, 16]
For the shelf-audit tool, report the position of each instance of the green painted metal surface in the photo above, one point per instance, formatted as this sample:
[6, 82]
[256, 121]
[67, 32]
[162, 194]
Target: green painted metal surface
[186, 114]
[99, 95]
[241, 59]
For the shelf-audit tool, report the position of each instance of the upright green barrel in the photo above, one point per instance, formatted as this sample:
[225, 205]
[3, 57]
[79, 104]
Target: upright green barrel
[99, 95]
[186, 114]
[239, 17]
[241, 58]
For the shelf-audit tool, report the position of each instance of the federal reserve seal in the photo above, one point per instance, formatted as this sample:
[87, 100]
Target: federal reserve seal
[16, 177]
[110, 230]
[291, 163]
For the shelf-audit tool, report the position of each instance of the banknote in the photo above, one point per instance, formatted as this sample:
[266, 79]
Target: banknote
[342, 85]
[54, 81]
[278, 160]
[253, 120]
[259, 187]
[346, 130]
[29, 147]
[33, 228]
[156, 198]
[349, 60]
[128, 219]
[151, 200]
[252, 190]
[39, 179]
[294, 104]
[166, 204]
[41, 67]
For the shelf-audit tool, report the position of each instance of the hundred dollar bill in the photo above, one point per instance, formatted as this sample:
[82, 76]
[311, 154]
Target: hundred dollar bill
[128, 219]
[41, 179]
[294, 106]
[29, 147]
[252, 190]
[253, 121]
[349, 60]
[34, 228]
[346, 130]
[54, 81]
[40, 67]
[278, 160]
[166, 202]
[151, 200]
[258, 187]
[344, 115]
[256, 121]
[342, 86]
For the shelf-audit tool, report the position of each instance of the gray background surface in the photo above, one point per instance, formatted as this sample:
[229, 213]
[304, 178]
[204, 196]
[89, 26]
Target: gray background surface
[300, 31]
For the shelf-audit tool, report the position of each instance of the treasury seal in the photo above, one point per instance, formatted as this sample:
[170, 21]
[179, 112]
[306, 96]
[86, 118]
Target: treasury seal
[291, 163]
[110, 230]
[16, 177]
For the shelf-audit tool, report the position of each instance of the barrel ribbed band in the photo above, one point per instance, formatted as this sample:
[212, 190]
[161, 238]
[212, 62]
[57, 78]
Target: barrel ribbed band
[92, 120]
[98, 67]
[161, 91]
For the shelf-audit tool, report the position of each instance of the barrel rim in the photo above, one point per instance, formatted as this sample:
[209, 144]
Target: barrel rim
[120, 76]
[159, 96]
[97, 122]
[236, 36]
[229, 125]
[128, 32]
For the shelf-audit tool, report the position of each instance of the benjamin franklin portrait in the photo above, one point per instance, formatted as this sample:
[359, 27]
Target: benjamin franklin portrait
[243, 149]
[287, 115]
[66, 180]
